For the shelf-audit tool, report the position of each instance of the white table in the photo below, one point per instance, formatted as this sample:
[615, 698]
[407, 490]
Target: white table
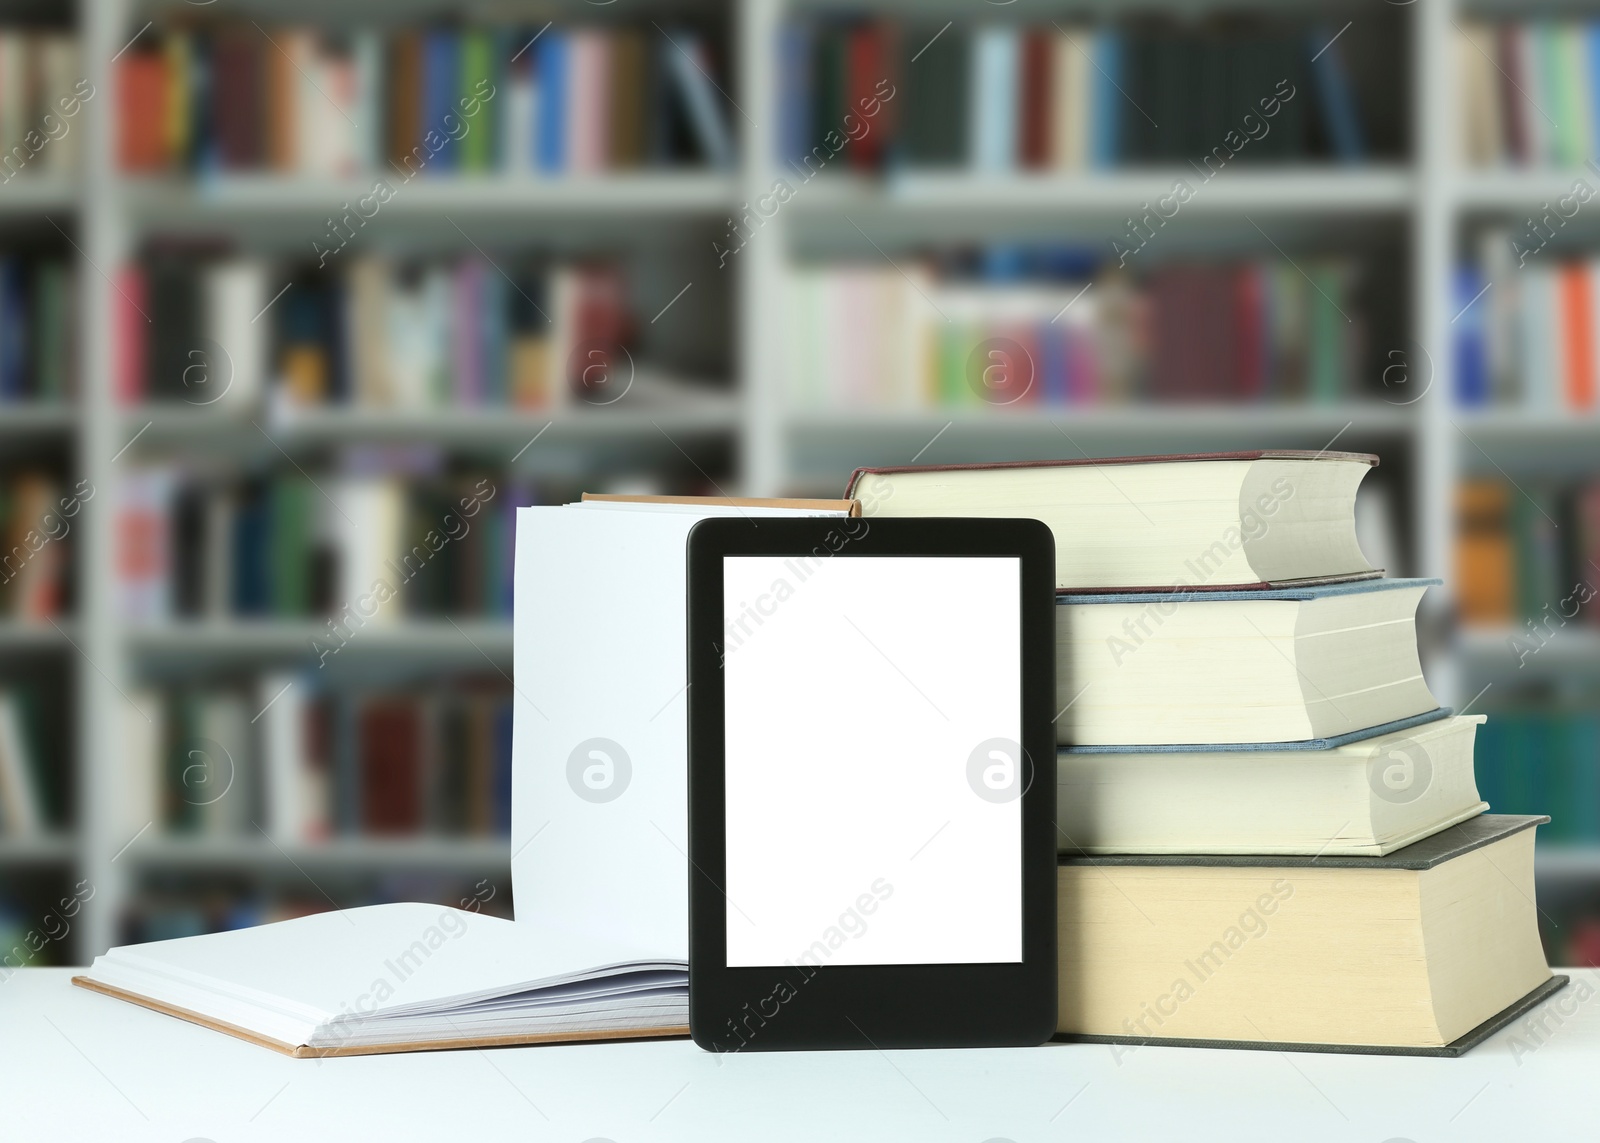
[78, 1066]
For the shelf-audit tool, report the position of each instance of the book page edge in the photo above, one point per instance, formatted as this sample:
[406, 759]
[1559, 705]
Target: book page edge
[306, 1051]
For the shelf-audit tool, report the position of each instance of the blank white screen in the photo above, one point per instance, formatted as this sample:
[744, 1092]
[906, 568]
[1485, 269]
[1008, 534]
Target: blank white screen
[871, 816]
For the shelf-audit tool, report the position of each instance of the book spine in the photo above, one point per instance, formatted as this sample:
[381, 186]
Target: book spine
[551, 70]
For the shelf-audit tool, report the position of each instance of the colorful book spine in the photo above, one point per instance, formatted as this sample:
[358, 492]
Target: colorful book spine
[551, 69]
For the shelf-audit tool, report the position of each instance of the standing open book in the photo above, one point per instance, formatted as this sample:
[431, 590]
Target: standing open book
[599, 837]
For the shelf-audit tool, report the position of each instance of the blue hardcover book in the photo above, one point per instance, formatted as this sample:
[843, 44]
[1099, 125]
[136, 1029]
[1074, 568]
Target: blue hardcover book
[1340, 118]
[996, 53]
[1329, 743]
[1472, 361]
[1052, 343]
[1105, 100]
[1292, 592]
[441, 86]
[14, 381]
[250, 556]
[794, 92]
[550, 78]
[1591, 56]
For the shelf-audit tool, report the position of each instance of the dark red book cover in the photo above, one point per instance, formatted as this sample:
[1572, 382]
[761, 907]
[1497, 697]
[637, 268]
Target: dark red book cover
[237, 81]
[864, 68]
[131, 346]
[1250, 331]
[390, 735]
[1173, 349]
[1033, 120]
[1223, 358]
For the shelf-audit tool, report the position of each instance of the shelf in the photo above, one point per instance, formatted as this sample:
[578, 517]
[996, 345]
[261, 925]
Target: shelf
[1518, 189]
[693, 413]
[1165, 419]
[179, 200]
[1516, 422]
[34, 417]
[38, 849]
[1566, 861]
[1488, 650]
[466, 639]
[31, 635]
[36, 194]
[1329, 189]
[827, 444]
[470, 854]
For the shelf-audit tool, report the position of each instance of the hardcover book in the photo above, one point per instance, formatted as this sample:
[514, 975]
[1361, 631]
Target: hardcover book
[1196, 522]
[1277, 665]
[1426, 951]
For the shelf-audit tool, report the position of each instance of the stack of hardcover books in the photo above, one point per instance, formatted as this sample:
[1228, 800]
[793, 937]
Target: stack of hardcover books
[1269, 829]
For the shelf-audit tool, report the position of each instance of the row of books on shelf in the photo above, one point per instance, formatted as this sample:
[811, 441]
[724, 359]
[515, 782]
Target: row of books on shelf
[433, 100]
[374, 332]
[37, 323]
[1529, 91]
[360, 546]
[42, 91]
[1074, 333]
[307, 763]
[1545, 754]
[1528, 554]
[32, 777]
[1527, 334]
[38, 521]
[870, 93]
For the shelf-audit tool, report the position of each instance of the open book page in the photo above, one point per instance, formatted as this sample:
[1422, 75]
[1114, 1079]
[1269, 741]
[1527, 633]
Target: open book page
[599, 820]
[284, 980]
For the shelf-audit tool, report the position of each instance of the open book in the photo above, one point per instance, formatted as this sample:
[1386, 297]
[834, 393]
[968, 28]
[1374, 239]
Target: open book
[599, 837]
[401, 977]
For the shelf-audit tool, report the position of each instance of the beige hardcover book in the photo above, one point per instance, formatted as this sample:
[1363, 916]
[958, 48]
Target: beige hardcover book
[1425, 951]
[1070, 117]
[1192, 522]
[848, 506]
[1481, 131]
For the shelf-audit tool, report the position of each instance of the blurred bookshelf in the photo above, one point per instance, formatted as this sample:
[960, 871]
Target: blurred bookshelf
[1002, 238]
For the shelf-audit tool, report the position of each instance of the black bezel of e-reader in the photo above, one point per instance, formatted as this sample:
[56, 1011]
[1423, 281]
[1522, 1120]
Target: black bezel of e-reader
[870, 1006]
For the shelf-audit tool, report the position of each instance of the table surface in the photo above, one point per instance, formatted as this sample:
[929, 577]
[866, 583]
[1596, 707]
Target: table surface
[76, 1065]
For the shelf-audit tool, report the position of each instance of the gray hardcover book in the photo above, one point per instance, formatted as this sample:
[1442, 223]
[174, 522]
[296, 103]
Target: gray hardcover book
[1436, 849]
[1332, 742]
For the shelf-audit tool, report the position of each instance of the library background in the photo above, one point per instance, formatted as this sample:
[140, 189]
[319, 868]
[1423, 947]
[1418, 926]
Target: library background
[299, 300]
